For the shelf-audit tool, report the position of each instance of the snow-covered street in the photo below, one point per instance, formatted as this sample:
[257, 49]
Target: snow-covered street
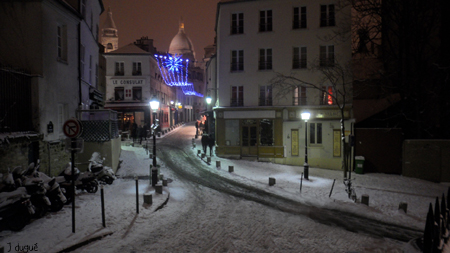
[205, 214]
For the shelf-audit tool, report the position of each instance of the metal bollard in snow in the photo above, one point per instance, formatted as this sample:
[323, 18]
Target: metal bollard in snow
[230, 168]
[217, 164]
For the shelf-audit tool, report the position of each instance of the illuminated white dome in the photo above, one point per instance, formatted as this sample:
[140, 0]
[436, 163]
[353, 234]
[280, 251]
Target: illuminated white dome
[182, 45]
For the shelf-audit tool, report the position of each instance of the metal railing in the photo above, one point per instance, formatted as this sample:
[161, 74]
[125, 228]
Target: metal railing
[98, 125]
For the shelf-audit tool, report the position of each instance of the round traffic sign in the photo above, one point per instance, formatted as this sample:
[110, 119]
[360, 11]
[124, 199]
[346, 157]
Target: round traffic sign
[72, 128]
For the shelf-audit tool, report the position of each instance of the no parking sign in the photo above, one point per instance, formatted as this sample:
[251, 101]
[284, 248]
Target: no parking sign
[72, 128]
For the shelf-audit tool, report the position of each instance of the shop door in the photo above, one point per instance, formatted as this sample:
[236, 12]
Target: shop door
[249, 141]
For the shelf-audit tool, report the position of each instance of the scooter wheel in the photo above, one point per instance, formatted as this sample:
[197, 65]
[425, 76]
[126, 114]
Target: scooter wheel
[108, 180]
[93, 188]
[57, 205]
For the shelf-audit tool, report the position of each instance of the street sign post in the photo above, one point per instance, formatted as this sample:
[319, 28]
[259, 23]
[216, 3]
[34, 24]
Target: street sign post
[72, 128]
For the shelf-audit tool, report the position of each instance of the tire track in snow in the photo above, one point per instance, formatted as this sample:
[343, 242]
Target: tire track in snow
[351, 222]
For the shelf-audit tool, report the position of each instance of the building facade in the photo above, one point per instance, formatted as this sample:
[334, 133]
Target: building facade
[260, 42]
[133, 79]
[54, 45]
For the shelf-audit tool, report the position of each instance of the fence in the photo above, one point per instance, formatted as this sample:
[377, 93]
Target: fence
[98, 125]
[436, 233]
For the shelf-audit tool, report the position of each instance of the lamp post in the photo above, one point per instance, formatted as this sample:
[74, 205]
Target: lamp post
[154, 105]
[305, 117]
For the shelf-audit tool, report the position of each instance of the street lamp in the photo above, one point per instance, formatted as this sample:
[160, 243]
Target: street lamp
[208, 100]
[305, 117]
[154, 105]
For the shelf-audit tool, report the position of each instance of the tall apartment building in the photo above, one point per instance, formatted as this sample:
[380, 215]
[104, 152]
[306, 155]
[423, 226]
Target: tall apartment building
[256, 40]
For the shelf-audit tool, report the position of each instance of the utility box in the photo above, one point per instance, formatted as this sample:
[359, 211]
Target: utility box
[359, 164]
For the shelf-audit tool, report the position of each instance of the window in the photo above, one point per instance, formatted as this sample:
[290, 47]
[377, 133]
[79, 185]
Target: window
[82, 61]
[299, 58]
[326, 56]
[137, 93]
[119, 93]
[327, 15]
[137, 71]
[265, 59]
[237, 23]
[315, 133]
[237, 96]
[119, 69]
[299, 96]
[90, 69]
[265, 21]
[237, 60]
[265, 95]
[266, 132]
[62, 42]
[327, 95]
[109, 46]
[299, 20]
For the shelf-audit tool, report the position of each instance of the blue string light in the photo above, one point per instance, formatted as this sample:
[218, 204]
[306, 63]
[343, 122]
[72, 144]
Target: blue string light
[174, 70]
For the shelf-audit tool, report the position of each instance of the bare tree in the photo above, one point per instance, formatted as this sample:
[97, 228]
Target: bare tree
[338, 76]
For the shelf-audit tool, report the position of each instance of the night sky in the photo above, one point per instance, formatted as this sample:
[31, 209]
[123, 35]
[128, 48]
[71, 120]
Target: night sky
[159, 19]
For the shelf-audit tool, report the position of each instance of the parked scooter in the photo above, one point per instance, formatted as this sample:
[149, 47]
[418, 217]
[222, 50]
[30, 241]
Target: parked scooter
[52, 188]
[15, 209]
[103, 174]
[83, 181]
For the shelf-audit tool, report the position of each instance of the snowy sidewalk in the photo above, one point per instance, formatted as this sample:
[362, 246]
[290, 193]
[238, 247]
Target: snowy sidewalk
[385, 192]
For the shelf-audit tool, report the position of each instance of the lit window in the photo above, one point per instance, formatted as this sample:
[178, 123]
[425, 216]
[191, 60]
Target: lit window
[327, 95]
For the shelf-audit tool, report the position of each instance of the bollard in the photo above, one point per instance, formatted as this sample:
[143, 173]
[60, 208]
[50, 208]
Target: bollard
[148, 198]
[334, 181]
[208, 159]
[203, 155]
[301, 182]
[217, 164]
[137, 194]
[199, 151]
[158, 188]
[271, 181]
[102, 196]
[365, 199]
[230, 168]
